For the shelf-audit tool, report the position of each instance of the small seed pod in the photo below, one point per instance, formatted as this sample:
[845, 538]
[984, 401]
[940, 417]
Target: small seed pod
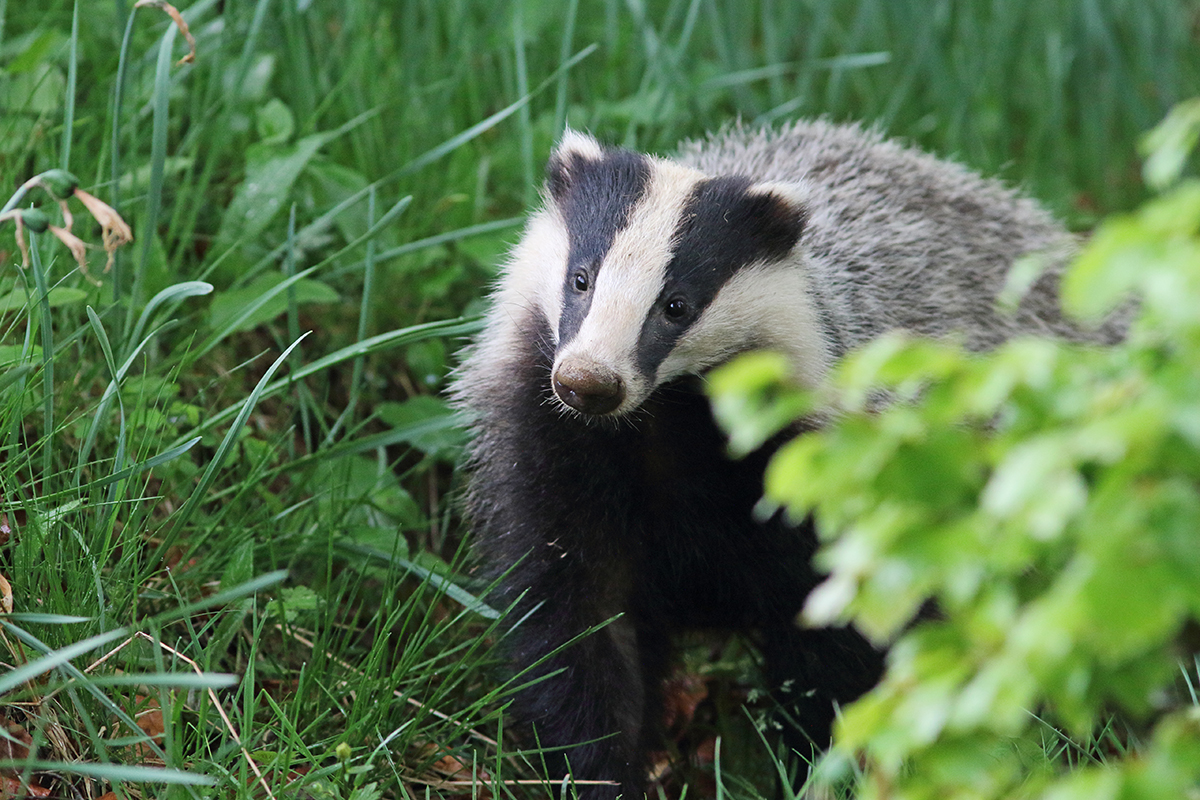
[35, 219]
[60, 183]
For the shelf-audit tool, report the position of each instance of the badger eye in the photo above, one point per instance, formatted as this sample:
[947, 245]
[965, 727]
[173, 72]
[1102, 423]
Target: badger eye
[676, 309]
[581, 281]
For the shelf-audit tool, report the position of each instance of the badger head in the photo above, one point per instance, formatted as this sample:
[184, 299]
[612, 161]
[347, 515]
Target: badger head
[647, 270]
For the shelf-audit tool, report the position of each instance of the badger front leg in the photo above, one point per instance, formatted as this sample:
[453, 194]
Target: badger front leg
[596, 703]
[591, 698]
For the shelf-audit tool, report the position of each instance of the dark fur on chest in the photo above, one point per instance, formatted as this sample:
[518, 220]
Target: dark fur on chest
[647, 520]
[653, 502]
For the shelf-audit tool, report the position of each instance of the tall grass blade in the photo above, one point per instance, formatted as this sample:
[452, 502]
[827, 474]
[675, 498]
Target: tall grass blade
[216, 337]
[376, 344]
[182, 680]
[564, 53]
[142, 466]
[69, 97]
[54, 659]
[172, 294]
[120, 773]
[364, 312]
[198, 495]
[225, 596]
[123, 58]
[293, 323]
[441, 584]
[524, 128]
[158, 156]
[47, 330]
[443, 238]
[110, 392]
[457, 141]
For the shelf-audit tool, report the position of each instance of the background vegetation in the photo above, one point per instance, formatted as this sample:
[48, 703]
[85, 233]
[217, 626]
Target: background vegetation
[231, 567]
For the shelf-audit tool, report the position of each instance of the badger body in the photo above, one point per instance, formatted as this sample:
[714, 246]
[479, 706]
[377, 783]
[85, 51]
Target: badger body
[599, 486]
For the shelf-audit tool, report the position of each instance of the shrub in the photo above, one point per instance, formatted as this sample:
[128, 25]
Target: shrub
[1045, 497]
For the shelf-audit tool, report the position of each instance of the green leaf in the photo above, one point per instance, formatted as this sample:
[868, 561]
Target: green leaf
[1168, 146]
[293, 601]
[381, 539]
[38, 91]
[12, 355]
[226, 305]
[32, 49]
[426, 423]
[275, 122]
[139, 178]
[59, 296]
[360, 491]
[271, 171]
[334, 184]
[753, 400]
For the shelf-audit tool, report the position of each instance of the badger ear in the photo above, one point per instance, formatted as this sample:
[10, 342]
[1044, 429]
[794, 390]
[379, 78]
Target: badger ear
[561, 169]
[777, 214]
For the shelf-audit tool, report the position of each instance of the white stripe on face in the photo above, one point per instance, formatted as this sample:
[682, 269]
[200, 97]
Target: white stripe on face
[629, 281]
[761, 306]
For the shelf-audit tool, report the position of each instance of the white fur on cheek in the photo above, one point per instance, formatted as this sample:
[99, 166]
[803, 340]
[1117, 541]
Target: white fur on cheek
[538, 269]
[629, 281]
[761, 306]
[531, 282]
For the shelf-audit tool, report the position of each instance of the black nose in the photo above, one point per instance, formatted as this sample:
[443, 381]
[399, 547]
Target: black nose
[590, 388]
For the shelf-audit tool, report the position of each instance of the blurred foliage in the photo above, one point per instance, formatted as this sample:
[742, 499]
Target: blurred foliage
[1047, 497]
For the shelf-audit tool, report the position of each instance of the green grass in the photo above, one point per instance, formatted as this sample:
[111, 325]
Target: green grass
[341, 179]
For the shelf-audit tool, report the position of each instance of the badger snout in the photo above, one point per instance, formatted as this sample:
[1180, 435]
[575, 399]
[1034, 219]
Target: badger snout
[588, 387]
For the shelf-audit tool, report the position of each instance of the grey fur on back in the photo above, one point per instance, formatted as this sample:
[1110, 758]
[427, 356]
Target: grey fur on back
[899, 239]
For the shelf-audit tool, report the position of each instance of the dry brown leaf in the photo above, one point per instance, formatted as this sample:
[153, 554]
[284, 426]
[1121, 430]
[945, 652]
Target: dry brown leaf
[151, 723]
[179, 23]
[452, 768]
[78, 250]
[452, 772]
[281, 690]
[706, 751]
[660, 766]
[21, 245]
[18, 750]
[113, 229]
[681, 696]
[6, 598]
[14, 750]
[12, 787]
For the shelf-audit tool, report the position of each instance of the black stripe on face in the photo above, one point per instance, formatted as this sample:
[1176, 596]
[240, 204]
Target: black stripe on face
[724, 228]
[596, 198]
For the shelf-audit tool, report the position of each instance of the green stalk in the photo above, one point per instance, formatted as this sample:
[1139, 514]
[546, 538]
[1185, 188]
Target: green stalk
[72, 73]
[115, 174]
[47, 326]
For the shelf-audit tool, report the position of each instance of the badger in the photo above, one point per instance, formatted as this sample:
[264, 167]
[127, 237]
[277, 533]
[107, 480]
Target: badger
[600, 493]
